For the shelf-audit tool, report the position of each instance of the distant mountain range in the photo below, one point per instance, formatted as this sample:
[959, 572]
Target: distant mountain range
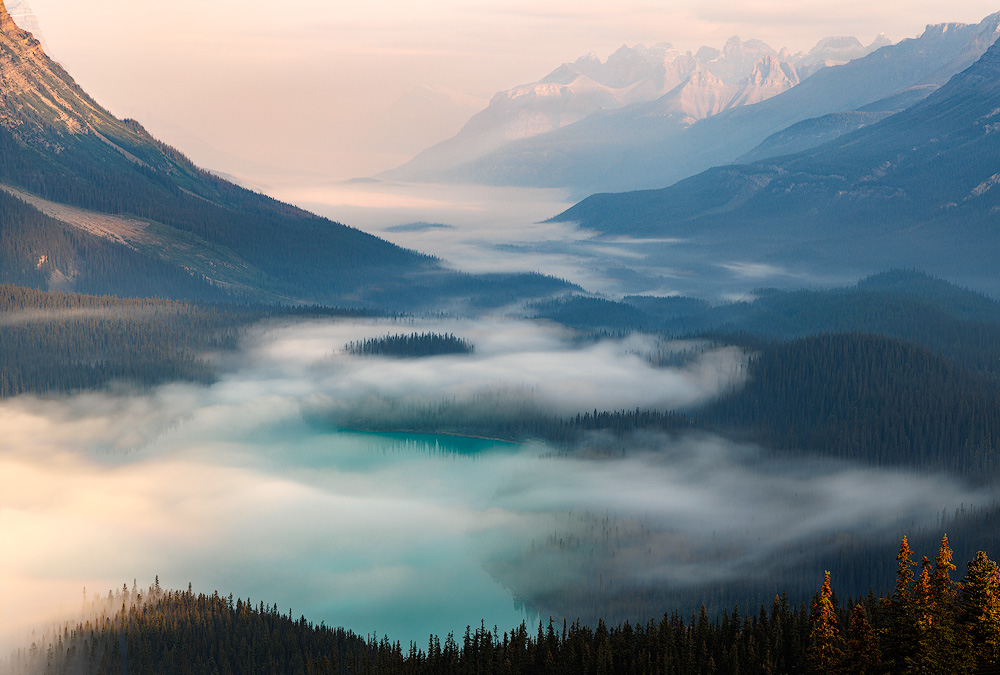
[95, 204]
[916, 189]
[682, 87]
[714, 107]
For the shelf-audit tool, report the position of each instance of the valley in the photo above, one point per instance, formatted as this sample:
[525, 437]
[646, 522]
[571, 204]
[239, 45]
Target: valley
[676, 333]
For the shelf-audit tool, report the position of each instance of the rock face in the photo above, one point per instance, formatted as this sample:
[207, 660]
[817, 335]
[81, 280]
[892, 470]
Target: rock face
[835, 51]
[42, 105]
[20, 11]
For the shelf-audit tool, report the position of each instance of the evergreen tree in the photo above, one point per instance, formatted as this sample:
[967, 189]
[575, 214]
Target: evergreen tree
[861, 652]
[979, 614]
[900, 632]
[945, 655]
[825, 648]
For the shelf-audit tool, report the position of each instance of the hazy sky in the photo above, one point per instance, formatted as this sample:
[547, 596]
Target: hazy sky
[309, 83]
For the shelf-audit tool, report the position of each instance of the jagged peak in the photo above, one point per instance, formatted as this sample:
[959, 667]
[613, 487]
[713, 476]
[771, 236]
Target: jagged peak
[589, 58]
[770, 67]
[732, 44]
[881, 40]
[706, 53]
[702, 76]
[10, 28]
[564, 74]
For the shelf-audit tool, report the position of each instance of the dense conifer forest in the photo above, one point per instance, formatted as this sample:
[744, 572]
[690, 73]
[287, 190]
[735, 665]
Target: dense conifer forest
[959, 324]
[413, 345]
[931, 622]
[65, 342]
[37, 252]
[867, 398]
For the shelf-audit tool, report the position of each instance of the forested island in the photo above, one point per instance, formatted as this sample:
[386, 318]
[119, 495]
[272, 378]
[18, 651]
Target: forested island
[929, 623]
[414, 345]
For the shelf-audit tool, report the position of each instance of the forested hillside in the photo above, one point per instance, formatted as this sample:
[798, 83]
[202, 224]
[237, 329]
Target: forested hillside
[928, 623]
[64, 342]
[37, 251]
[866, 398]
[958, 323]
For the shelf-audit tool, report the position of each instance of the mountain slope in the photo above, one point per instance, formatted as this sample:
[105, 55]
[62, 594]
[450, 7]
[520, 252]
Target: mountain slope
[630, 148]
[916, 189]
[816, 131]
[60, 146]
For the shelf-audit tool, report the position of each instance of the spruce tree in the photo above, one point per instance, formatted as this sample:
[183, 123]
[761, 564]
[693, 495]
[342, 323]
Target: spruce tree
[861, 652]
[979, 614]
[825, 649]
[945, 655]
[900, 633]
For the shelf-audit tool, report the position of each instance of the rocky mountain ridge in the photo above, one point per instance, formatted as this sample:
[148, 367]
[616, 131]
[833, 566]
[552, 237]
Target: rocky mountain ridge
[685, 87]
[636, 146]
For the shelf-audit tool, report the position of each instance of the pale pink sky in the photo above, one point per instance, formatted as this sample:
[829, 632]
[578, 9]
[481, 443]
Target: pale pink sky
[307, 83]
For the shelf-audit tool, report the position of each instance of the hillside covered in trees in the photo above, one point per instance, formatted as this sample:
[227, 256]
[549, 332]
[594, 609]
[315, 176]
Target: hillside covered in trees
[929, 623]
[64, 342]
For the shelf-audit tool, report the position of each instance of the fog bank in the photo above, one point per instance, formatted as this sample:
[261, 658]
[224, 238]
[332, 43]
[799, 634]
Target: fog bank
[232, 487]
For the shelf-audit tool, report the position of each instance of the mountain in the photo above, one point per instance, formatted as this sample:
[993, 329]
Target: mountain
[679, 87]
[634, 148]
[917, 189]
[95, 204]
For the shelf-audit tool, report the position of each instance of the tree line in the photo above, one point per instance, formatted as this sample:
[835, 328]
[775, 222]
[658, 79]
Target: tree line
[928, 624]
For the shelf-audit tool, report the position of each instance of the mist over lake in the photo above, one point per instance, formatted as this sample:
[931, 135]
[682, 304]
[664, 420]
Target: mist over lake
[251, 485]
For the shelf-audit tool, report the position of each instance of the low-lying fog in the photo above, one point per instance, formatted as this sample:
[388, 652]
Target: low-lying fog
[247, 487]
[502, 229]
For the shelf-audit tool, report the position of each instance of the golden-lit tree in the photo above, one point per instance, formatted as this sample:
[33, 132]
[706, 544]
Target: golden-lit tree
[825, 646]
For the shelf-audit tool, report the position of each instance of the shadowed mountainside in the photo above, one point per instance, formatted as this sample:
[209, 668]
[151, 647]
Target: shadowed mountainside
[189, 234]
